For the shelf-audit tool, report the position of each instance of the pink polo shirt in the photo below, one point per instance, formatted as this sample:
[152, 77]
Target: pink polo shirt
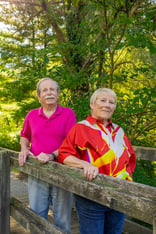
[46, 134]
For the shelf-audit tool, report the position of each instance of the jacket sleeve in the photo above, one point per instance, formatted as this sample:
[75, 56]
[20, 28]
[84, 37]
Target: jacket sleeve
[132, 159]
[68, 146]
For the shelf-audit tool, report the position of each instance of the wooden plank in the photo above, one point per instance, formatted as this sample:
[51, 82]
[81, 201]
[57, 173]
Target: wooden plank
[4, 192]
[30, 220]
[17, 228]
[132, 228]
[32, 165]
[146, 153]
[135, 200]
[146, 192]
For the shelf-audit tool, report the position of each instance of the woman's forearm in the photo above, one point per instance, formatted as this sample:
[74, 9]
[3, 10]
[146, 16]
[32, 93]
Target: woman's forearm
[74, 162]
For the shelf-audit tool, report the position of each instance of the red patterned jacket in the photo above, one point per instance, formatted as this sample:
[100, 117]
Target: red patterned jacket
[108, 147]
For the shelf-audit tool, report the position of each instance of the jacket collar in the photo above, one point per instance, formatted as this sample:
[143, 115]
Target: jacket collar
[93, 120]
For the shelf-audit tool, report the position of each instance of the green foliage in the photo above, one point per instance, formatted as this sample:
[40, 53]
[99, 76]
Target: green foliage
[145, 172]
[10, 142]
[83, 45]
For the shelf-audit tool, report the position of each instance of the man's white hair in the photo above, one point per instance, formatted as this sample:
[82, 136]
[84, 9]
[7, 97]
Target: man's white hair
[43, 79]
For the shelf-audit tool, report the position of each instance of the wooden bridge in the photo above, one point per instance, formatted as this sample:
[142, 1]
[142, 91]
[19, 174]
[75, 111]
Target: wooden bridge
[18, 189]
[135, 200]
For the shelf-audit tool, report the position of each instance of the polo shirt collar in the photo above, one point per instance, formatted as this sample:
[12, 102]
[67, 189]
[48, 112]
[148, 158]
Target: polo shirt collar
[57, 112]
[93, 120]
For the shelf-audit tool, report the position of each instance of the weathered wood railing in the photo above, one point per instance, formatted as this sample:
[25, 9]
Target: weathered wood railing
[134, 199]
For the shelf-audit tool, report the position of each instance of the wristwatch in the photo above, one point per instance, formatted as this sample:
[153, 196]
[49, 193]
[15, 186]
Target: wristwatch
[54, 156]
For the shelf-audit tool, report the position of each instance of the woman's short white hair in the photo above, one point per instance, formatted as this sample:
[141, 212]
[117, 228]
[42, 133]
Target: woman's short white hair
[100, 91]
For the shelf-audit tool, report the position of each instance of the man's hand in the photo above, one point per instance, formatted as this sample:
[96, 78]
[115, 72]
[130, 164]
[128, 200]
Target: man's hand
[44, 158]
[23, 156]
[24, 151]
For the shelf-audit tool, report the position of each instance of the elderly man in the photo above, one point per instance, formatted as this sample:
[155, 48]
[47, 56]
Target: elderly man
[44, 130]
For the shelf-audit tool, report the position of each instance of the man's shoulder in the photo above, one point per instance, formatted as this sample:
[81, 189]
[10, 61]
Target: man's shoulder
[66, 109]
[33, 112]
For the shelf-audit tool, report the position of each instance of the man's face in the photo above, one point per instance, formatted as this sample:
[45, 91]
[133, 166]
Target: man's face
[48, 93]
[103, 107]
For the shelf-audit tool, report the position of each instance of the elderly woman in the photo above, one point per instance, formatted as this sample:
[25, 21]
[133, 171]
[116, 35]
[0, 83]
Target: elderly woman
[99, 146]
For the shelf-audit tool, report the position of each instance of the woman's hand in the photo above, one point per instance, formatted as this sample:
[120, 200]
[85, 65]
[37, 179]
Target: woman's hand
[90, 171]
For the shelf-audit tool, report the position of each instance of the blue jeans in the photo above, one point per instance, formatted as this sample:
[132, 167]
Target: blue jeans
[41, 194]
[97, 219]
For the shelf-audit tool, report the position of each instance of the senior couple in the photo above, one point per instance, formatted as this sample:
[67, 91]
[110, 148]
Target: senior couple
[95, 144]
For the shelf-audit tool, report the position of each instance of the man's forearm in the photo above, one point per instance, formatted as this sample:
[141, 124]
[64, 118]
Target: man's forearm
[24, 142]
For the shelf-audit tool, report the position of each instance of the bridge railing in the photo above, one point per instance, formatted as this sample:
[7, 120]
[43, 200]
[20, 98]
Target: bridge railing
[134, 199]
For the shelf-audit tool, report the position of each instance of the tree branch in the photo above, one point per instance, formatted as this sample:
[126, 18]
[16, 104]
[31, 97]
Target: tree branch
[134, 9]
[91, 55]
[145, 128]
[53, 22]
[139, 113]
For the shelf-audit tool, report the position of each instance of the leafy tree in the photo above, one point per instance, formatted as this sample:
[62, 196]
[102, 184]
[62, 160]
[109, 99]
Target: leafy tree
[83, 45]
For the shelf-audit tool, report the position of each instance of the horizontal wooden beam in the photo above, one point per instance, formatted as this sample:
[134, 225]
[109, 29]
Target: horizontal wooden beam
[134, 199]
[146, 153]
[30, 220]
[133, 227]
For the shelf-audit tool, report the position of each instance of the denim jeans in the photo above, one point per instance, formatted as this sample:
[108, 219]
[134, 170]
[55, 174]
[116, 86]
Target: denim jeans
[41, 194]
[97, 219]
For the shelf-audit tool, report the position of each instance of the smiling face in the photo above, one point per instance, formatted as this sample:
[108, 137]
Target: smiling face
[103, 107]
[49, 93]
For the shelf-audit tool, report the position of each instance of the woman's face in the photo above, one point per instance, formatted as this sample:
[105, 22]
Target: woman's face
[103, 107]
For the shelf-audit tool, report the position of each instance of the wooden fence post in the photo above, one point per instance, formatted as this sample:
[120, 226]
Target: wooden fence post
[154, 223]
[4, 192]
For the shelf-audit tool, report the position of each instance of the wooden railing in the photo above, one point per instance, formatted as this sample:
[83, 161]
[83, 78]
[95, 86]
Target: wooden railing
[134, 199]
